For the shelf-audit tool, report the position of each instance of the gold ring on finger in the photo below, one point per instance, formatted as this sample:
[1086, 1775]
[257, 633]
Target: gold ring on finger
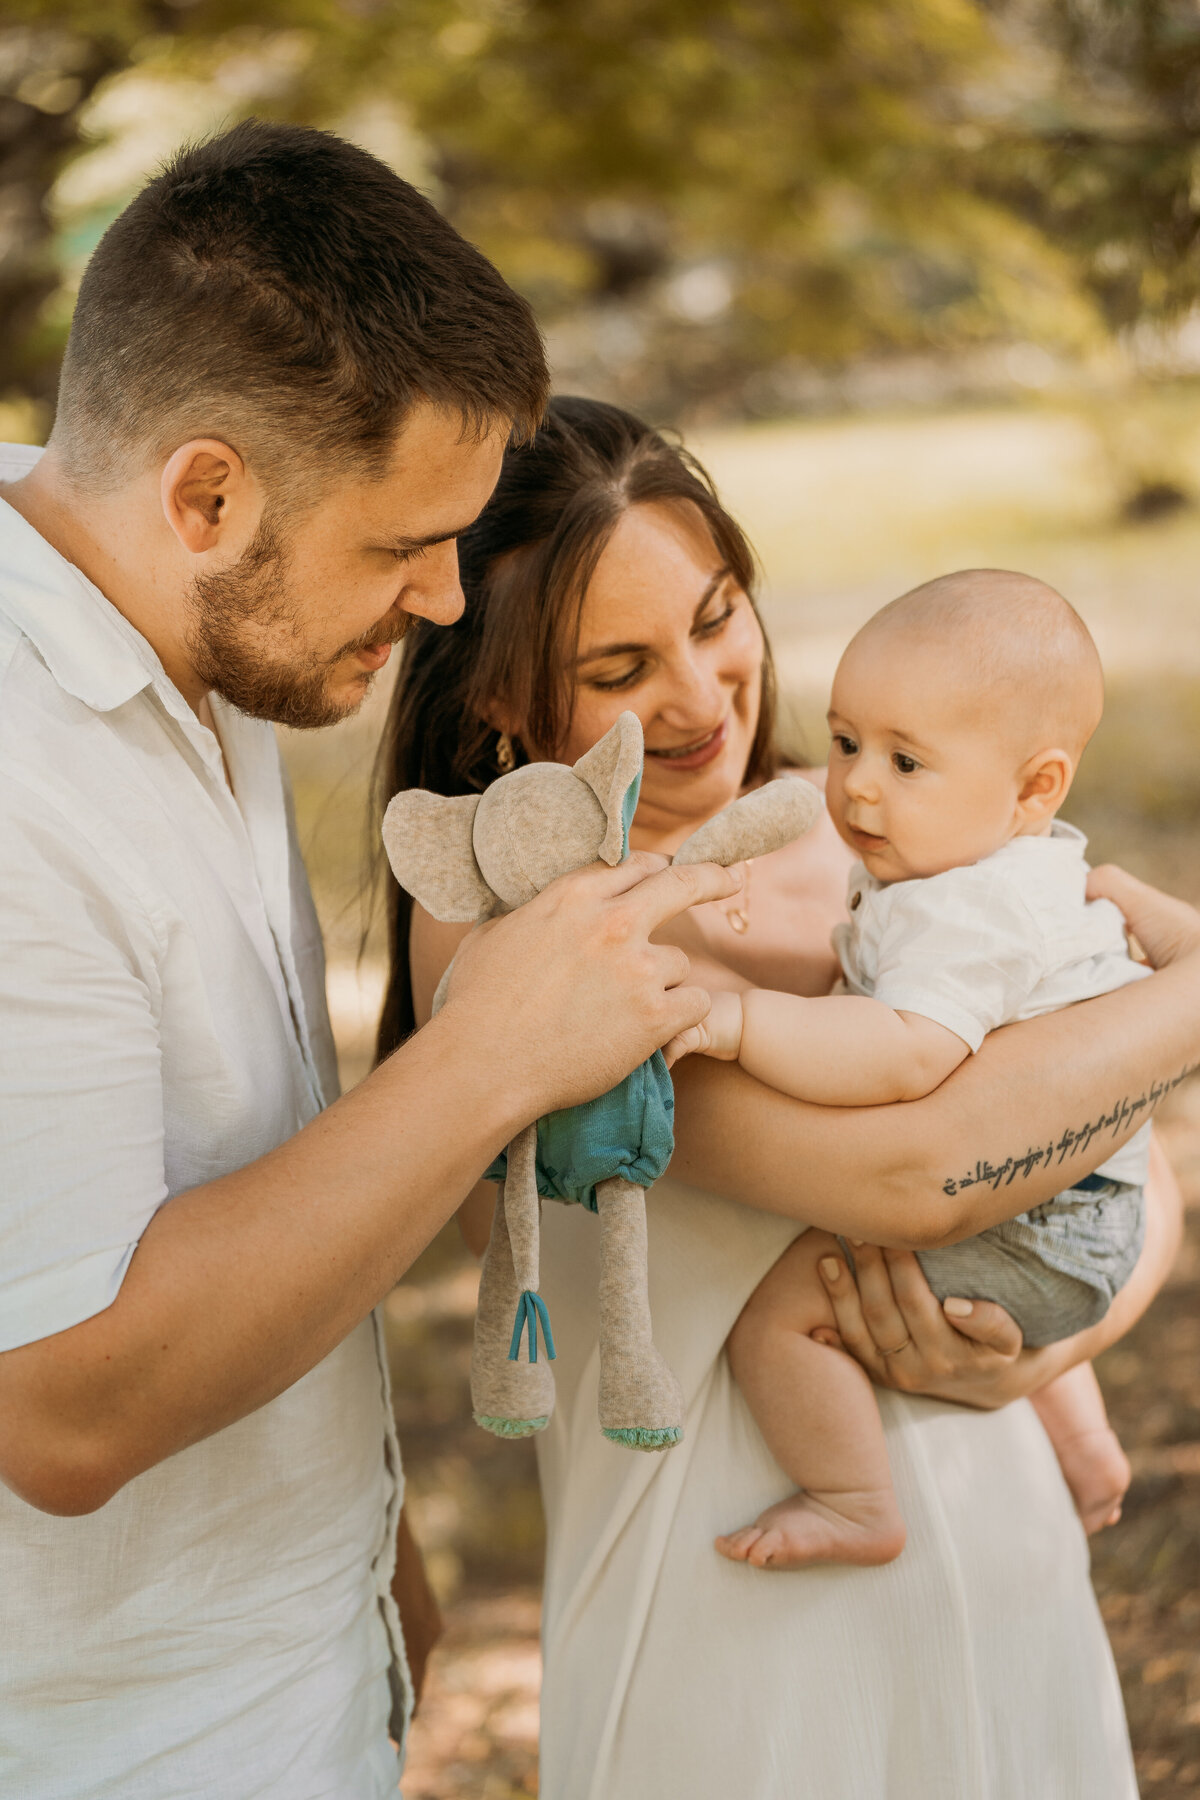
[897, 1350]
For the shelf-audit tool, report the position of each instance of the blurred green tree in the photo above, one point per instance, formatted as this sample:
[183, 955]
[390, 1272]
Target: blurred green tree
[715, 184]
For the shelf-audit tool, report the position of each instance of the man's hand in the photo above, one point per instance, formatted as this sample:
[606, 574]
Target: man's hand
[570, 990]
[718, 1036]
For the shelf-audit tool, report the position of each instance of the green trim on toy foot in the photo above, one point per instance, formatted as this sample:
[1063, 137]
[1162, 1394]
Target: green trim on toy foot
[511, 1428]
[641, 1437]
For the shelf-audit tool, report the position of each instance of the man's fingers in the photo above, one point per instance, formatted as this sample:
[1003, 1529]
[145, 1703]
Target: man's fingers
[685, 1043]
[985, 1323]
[665, 895]
[672, 967]
[637, 867]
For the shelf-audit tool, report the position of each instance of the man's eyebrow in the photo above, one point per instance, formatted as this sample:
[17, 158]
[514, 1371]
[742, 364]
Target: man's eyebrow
[405, 545]
[604, 650]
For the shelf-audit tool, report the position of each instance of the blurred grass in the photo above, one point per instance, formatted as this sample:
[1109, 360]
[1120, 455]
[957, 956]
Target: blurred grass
[846, 514]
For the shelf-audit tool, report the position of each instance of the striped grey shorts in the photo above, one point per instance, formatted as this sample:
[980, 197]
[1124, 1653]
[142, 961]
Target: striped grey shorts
[1057, 1268]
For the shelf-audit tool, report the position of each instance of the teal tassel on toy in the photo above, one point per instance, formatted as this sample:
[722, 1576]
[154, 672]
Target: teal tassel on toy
[530, 1308]
[511, 1428]
[642, 1437]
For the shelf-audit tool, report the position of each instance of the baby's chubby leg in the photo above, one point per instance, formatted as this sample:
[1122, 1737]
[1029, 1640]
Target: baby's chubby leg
[815, 1408]
[1095, 1467]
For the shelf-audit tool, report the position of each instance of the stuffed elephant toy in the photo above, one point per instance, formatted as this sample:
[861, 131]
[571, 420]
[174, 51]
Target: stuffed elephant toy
[466, 858]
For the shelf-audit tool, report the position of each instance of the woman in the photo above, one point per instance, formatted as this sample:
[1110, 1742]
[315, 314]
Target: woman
[605, 575]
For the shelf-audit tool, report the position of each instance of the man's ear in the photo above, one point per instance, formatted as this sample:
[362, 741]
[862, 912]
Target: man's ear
[761, 821]
[1043, 785]
[205, 486]
[428, 841]
[613, 770]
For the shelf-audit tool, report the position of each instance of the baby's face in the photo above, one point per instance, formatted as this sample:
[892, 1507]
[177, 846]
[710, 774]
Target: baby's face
[921, 778]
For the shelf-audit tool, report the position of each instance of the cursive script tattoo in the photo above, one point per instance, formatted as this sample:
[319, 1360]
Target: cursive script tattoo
[1130, 1111]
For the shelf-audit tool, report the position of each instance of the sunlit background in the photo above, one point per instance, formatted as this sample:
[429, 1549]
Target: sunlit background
[919, 279]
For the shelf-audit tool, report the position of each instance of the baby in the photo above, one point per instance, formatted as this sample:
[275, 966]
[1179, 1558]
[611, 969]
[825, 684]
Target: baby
[958, 717]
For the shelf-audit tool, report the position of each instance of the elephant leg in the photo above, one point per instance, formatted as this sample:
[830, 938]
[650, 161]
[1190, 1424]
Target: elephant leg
[641, 1403]
[509, 1397]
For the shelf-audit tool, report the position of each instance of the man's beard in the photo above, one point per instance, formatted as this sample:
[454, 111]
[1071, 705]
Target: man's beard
[243, 621]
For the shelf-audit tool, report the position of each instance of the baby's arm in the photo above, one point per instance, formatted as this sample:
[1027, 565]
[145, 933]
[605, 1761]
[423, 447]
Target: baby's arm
[840, 1050]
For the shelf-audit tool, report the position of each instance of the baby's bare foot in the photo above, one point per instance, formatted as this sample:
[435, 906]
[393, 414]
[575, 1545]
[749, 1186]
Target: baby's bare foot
[862, 1527]
[1097, 1471]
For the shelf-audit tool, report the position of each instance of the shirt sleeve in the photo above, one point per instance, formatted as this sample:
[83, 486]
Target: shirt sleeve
[81, 1111]
[961, 948]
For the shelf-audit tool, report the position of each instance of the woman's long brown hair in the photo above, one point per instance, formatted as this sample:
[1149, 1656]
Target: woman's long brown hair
[525, 565]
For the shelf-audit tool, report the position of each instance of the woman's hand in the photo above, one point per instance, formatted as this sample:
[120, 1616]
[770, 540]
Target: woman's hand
[1165, 928]
[420, 1614]
[890, 1321]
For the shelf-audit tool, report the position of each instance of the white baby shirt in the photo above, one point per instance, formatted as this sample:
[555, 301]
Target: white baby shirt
[1004, 939]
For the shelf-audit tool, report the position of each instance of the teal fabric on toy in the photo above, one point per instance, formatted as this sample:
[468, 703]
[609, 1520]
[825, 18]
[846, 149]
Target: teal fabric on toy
[628, 808]
[629, 1131]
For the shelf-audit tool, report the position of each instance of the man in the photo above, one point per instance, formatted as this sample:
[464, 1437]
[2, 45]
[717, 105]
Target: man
[288, 388]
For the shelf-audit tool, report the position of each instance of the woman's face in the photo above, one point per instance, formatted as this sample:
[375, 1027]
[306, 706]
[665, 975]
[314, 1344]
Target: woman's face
[666, 632]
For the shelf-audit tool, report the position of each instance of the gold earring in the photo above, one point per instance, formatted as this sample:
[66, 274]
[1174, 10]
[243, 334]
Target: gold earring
[505, 755]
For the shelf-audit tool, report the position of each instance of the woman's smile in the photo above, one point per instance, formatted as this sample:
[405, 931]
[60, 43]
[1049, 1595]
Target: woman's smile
[697, 753]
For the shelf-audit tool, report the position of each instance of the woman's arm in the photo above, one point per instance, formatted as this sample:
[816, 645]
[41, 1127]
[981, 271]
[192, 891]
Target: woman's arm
[1041, 1105]
[978, 1360]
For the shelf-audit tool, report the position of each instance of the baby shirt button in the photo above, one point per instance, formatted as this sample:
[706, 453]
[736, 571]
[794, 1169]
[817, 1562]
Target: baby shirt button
[855, 901]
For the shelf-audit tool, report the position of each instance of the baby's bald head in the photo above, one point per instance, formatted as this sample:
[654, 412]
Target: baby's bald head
[958, 716]
[1016, 650]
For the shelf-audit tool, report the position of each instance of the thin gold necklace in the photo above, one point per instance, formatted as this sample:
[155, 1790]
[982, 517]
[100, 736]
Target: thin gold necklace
[738, 917]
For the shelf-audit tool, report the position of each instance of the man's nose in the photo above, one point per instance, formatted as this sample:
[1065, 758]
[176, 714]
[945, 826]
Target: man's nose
[434, 591]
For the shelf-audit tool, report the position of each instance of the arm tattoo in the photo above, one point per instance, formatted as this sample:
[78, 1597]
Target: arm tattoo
[1129, 1111]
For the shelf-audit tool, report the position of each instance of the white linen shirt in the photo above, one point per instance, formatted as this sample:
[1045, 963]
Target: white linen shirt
[223, 1627]
[1007, 938]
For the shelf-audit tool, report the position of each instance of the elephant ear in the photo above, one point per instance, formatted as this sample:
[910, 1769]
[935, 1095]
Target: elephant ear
[613, 770]
[764, 820]
[428, 841]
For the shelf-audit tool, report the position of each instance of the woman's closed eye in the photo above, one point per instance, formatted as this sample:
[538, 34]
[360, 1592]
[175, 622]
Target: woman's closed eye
[710, 627]
[610, 684]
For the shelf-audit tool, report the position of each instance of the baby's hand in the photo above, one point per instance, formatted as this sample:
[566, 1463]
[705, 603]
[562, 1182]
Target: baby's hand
[719, 1035]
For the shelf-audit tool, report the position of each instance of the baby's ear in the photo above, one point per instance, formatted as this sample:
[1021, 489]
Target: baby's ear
[613, 770]
[758, 823]
[428, 841]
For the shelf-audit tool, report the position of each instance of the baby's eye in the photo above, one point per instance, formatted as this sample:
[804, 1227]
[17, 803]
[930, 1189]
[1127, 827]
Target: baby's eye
[847, 745]
[904, 764]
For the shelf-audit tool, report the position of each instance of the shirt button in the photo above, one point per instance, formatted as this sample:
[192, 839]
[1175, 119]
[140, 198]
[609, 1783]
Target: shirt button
[855, 901]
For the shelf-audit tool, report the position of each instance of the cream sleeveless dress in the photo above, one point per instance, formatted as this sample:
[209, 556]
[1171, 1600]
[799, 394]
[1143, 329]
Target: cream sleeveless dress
[973, 1668]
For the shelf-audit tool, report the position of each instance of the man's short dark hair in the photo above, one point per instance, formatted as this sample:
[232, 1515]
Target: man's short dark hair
[288, 293]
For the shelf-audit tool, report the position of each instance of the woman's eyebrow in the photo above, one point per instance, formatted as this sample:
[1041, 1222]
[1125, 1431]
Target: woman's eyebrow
[629, 649]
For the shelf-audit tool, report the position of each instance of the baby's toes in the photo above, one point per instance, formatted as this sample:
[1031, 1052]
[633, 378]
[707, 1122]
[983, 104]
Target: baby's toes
[770, 1544]
[738, 1545]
